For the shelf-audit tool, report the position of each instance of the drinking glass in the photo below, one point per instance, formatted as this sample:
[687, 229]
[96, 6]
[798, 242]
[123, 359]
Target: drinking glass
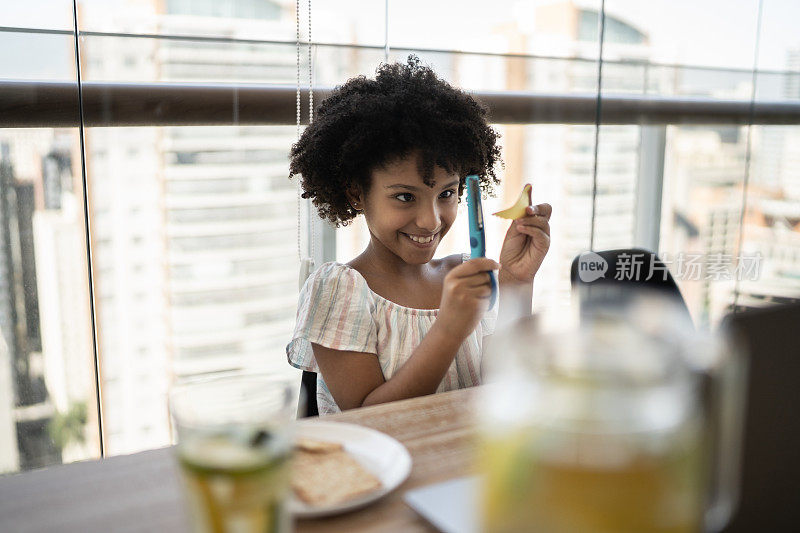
[234, 446]
[629, 421]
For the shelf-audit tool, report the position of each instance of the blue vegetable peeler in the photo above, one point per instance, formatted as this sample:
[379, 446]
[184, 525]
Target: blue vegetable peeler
[477, 237]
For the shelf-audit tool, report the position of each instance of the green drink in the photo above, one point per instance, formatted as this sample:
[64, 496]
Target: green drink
[234, 488]
[234, 449]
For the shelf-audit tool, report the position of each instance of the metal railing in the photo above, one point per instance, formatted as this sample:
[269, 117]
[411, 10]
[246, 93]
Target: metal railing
[31, 104]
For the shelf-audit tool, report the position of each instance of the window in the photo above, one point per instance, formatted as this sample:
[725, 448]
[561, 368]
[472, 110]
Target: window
[194, 224]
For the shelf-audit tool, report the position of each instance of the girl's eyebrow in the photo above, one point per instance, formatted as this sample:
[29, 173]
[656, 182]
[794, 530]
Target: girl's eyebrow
[413, 188]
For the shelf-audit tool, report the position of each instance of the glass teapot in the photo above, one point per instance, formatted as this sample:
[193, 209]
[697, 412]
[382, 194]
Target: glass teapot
[626, 420]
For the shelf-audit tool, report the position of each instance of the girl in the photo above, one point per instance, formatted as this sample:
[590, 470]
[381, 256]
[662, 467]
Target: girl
[394, 322]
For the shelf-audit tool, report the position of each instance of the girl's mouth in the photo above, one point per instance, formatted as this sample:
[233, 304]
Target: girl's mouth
[422, 240]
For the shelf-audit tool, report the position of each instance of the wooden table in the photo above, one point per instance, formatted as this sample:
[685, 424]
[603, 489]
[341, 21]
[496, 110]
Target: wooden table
[141, 492]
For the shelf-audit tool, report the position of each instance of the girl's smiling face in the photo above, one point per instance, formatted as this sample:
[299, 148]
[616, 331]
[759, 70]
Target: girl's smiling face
[406, 217]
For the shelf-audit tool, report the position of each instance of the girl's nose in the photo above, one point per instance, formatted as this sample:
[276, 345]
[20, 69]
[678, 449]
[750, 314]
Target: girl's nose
[428, 218]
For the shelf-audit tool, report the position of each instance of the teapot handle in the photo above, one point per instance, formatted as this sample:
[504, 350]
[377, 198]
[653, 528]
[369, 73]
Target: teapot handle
[726, 373]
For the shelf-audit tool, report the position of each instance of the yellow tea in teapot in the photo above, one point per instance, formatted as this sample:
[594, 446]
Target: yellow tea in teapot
[625, 419]
[591, 484]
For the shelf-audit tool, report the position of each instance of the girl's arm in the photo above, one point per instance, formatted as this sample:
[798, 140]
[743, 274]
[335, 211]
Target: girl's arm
[515, 298]
[355, 379]
[526, 243]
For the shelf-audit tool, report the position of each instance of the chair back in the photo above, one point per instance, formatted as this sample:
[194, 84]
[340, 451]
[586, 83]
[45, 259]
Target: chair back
[616, 274]
[770, 471]
[308, 383]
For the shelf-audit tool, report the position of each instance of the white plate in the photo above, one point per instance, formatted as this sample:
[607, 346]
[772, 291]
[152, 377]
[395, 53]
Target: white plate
[379, 453]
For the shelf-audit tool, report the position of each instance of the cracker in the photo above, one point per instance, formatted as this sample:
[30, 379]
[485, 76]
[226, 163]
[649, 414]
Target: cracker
[317, 446]
[324, 479]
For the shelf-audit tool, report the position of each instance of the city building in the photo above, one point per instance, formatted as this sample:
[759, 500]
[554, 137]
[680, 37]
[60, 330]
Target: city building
[193, 228]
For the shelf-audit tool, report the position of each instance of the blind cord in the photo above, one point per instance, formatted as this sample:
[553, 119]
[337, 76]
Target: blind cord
[306, 263]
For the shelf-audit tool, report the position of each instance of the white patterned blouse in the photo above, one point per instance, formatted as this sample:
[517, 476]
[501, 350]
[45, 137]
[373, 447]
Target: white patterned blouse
[338, 310]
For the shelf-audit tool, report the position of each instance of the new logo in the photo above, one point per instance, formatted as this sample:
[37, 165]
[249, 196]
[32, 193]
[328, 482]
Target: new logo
[591, 266]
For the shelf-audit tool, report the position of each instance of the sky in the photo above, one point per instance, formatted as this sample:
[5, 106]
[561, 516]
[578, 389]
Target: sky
[717, 33]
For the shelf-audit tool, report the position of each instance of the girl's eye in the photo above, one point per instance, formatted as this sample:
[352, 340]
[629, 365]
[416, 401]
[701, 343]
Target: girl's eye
[449, 193]
[404, 197]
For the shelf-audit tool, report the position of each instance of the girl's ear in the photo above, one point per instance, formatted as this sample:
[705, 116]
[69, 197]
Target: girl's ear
[355, 198]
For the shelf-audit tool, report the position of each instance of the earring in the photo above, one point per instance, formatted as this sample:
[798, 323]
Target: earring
[355, 207]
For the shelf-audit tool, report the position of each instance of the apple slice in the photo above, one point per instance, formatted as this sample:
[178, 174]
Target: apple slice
[518, 209]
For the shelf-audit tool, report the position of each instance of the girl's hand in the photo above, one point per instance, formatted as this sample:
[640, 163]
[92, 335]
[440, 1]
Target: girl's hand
[465, 296]
[526, 243]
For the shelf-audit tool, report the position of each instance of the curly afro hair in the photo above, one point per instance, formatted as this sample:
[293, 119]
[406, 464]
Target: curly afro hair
[365, 124]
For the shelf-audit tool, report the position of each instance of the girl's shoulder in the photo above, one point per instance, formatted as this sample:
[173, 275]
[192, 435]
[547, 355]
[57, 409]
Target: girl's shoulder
[330, 269]
[334, 270]
[451, 261]
[332, 277]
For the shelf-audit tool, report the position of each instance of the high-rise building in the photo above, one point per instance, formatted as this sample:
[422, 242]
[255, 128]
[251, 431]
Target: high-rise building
[193, 228]
[63, 299]
[561, 157]
[772, 225]
[9, 454]
[46, 366]
[26, 404]
[792, 81]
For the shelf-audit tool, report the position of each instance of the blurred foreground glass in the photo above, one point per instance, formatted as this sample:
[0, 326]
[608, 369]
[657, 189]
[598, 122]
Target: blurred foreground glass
[234, 447]
[629, 422]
